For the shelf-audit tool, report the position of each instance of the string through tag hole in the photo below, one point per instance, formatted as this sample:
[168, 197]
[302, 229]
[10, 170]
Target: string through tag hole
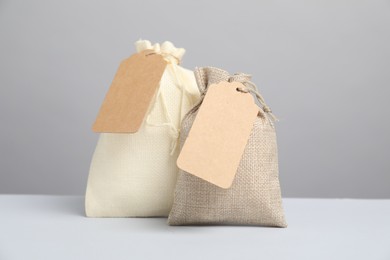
[242, 90]
[148, 54]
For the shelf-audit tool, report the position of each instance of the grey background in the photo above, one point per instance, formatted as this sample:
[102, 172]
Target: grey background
[323, 66]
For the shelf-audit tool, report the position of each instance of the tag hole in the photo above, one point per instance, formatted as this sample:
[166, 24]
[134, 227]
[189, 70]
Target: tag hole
[241, 90]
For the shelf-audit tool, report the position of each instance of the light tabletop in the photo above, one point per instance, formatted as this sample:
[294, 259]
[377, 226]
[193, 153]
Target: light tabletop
[55, 227]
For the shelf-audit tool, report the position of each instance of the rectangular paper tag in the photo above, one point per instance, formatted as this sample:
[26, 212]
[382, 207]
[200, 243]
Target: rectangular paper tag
[218, 136]
[133, 88]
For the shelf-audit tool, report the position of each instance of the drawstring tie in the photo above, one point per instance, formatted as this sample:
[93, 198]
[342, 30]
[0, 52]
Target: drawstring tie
[250, 87]
[174, 130]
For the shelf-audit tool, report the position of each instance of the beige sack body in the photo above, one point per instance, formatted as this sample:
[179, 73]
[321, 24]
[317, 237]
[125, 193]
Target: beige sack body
[254, 197]
[134, 174]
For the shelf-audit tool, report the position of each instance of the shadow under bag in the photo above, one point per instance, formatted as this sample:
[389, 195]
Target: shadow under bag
[254, 197]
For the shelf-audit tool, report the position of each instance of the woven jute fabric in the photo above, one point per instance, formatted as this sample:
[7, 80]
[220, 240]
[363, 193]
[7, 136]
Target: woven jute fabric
[254, 197]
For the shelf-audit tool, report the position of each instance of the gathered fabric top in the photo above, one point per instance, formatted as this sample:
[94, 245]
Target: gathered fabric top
[166, 49]
[207, 76]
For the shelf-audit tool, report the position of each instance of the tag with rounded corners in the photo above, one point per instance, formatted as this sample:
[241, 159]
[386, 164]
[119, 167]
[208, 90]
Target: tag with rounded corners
[130, 94]
[219, 134]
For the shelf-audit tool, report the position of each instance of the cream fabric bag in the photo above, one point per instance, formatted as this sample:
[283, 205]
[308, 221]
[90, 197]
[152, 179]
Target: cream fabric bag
[254, 197]
[133, 175]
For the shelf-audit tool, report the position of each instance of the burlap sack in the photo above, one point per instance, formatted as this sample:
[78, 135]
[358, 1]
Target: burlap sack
[134, 175]
[254, 197]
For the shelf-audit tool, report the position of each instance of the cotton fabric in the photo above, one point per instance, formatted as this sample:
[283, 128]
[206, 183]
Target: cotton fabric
[133, 175]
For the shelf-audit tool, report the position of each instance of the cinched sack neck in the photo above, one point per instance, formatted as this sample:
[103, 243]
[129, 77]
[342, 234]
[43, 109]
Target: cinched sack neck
[166, 49]
[210, 75]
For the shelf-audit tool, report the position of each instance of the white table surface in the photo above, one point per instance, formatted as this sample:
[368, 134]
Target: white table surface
[54, 227]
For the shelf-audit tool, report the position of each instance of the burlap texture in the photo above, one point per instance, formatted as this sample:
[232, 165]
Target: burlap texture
[254, 197]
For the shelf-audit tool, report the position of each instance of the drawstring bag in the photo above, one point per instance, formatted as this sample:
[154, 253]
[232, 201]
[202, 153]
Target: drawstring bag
[133, 174]
[254, 198]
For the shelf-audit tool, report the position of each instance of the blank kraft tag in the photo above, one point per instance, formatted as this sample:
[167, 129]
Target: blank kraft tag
[133, 88]
[218, 136]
